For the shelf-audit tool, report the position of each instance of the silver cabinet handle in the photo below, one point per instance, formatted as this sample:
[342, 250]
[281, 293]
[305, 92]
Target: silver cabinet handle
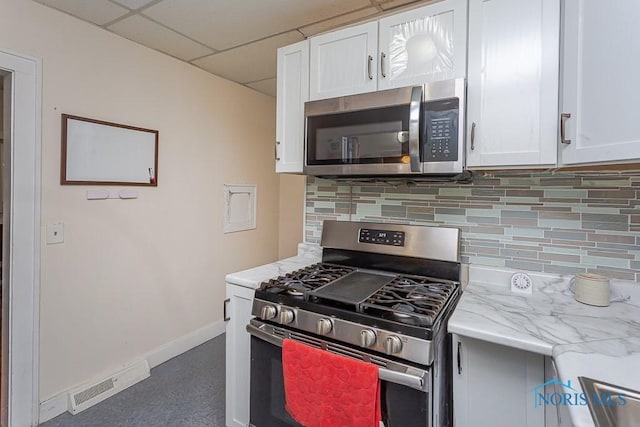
[224, 310]
[383, 56]
[276, 151]
[563, 121]
[369, 65]
[473, 135]
[414, 128]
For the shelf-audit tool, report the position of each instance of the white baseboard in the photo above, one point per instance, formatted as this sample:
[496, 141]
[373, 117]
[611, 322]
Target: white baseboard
[185, 343]
[53, 407]
[58, 404]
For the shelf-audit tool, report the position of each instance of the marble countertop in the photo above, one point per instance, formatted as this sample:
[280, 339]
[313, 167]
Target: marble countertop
[598, 342]
[307, 254]
[489, 311]
[613, 361]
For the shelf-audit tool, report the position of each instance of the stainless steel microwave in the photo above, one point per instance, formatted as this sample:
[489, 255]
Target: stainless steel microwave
[415, 130]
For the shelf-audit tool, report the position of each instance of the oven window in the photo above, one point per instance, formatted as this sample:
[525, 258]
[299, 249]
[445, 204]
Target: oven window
[401, 406]
[371, 136]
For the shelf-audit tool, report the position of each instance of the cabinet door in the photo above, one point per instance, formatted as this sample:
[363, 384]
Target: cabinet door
[238, 355]
[423, 45]
[293, 91]
[344, 62]
[512, 87]
[599, 90]
[492, 385]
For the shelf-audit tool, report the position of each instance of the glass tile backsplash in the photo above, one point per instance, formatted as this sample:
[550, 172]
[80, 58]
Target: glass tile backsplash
[547, 222]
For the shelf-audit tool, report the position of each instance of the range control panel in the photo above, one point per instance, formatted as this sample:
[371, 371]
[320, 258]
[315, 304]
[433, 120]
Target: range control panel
[381, 237]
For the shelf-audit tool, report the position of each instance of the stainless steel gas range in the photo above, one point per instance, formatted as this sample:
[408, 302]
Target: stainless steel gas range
[382, 294]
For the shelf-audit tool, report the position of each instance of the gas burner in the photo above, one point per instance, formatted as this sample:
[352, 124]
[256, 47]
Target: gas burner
[294, 292]
[413, 300]
[402, 310]
[297, 283]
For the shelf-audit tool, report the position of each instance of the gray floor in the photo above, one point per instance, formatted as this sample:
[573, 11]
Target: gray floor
[188, 390]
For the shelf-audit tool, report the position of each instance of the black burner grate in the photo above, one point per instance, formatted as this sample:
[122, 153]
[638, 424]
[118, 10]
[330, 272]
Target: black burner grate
[306, 279]
[412, 300]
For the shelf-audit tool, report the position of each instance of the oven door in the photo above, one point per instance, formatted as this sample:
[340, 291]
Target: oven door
[405, 390]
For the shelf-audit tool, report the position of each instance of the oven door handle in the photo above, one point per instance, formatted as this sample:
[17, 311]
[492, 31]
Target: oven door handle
[401, 378]
[264, 336]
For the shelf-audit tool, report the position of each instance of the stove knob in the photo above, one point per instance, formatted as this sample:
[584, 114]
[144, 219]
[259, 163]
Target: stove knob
[286, 316]
[268, 312]
[367, 338]
[392, 345]
[324, 326]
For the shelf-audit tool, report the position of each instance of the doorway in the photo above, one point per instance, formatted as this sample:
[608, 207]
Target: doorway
[21, 131]
[5, 113]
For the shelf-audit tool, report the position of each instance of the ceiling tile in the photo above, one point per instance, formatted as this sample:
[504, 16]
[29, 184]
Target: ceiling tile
[268, 86]
[222, 24]
[251, 62]
[133, 4]
[338, 21]
[148, 33]
[97, 11]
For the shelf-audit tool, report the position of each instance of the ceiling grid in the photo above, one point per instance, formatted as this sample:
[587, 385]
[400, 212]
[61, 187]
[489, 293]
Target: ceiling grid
[232, 39]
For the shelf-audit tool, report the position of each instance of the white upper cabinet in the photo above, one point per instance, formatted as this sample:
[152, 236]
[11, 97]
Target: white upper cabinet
[293, 91]
[343, 62]
[601, 54]
[413, 47]
[512, 83]
[423, 45]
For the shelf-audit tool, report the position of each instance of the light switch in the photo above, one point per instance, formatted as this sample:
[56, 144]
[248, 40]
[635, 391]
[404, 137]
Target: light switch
[55, 233]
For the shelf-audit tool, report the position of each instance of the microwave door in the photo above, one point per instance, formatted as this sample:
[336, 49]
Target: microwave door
[344, 137]
[367, 149]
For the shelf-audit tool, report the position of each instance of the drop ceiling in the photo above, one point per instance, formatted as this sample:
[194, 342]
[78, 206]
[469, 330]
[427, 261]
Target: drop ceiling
[234, 39]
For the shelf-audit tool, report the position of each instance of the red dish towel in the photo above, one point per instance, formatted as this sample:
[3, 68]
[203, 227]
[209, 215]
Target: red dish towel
[323, 389]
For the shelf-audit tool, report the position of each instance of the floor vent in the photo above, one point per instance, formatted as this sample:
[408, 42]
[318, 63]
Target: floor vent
[89, 394]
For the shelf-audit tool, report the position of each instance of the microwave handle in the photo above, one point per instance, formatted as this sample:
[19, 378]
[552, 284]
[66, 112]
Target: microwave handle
[414, 128]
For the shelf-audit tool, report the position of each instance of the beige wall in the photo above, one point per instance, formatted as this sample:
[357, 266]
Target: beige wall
[133, 275]
[292, 189]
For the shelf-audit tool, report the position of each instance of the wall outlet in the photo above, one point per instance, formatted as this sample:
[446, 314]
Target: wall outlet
[55, 233]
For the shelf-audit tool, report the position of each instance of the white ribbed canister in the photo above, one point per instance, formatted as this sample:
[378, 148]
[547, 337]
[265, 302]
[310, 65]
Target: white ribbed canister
[592, 289]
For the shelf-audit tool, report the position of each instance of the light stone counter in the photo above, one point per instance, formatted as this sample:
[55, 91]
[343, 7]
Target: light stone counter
[613, 361]
[600, 342]
[307, 254]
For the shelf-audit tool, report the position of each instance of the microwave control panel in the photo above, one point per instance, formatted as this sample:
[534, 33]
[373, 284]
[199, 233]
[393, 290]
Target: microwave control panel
[381, 237]
[440, 127]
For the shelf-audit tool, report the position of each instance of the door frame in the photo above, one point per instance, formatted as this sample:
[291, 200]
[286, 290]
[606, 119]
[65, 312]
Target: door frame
[20, 384]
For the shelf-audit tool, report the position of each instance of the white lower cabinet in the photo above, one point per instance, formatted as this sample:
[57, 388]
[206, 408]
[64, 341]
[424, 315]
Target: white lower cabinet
[238, 355]
[493, 385]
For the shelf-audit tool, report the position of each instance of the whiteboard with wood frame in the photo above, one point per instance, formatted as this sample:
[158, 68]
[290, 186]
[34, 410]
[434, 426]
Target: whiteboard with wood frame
[95, 152]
